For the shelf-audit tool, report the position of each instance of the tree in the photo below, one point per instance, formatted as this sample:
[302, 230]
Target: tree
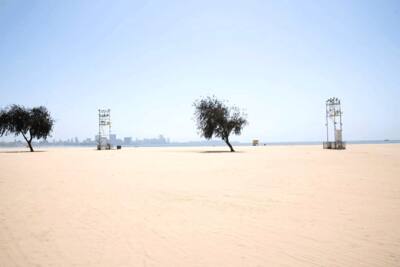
[214, 118]
[29, 122]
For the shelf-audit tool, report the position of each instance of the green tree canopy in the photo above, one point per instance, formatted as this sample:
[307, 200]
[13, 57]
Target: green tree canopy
[29, 122]
[214, 118]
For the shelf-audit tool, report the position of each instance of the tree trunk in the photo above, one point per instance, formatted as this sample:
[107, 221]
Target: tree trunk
[229, 144]
[30, 145]
[29, 142]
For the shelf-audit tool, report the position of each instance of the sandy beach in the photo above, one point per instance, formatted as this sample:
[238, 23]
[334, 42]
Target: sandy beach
[261, 206]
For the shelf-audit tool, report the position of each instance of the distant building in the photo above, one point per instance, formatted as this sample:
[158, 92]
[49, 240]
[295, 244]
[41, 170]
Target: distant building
[127, 141]
[88, 141]
[113, 139]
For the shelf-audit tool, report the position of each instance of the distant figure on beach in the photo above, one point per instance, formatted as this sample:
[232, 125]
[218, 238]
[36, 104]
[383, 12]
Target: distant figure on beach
[29, 122]
[214, 118]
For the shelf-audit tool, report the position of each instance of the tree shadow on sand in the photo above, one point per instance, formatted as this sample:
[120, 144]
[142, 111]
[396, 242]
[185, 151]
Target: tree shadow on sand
[219, 151]
[19, 151]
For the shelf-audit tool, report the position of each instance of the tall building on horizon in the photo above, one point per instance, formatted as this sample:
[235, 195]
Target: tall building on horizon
[113, 139]
[127, 141]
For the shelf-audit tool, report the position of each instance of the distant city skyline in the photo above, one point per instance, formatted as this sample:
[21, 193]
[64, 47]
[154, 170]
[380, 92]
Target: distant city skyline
[114, 141]
[148, 61]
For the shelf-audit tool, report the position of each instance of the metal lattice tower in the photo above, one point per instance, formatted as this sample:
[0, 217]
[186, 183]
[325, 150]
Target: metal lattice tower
[334, 118]
[103, 139]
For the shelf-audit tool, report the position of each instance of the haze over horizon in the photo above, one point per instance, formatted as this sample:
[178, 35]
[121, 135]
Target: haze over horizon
[148, 62]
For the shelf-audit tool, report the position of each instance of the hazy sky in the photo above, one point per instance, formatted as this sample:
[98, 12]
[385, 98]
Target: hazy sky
[149, 60]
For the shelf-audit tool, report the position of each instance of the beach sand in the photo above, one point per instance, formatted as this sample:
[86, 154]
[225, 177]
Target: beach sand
[261, 206]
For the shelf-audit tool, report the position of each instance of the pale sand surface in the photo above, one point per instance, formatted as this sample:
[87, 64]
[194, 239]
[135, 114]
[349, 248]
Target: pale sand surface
[265, 206]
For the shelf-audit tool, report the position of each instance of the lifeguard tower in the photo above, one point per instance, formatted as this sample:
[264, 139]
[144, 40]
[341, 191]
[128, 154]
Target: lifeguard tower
[103, 138]
[334, 119]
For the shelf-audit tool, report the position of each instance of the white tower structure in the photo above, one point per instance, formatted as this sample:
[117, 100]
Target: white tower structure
[103, 138]
[334, 119]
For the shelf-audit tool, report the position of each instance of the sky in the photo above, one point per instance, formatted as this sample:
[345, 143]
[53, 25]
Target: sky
[148, 61]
